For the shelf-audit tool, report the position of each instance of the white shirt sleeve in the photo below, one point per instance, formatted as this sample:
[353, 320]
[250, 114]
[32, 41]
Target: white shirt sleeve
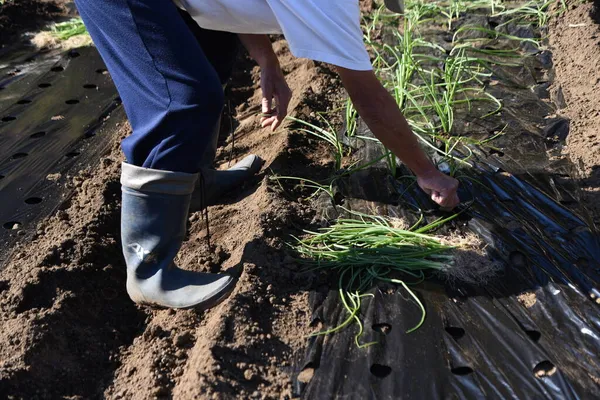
[323, 30]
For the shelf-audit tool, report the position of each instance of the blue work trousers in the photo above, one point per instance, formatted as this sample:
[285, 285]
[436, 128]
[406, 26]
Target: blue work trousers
[169, 73]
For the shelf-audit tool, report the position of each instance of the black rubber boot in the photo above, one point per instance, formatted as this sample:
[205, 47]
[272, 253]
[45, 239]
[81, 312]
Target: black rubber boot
[396, 6]
[153, 221]
[216, 183]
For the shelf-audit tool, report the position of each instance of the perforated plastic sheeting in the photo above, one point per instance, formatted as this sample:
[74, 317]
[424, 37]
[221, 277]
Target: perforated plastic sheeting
[51, 107]
[478, 342]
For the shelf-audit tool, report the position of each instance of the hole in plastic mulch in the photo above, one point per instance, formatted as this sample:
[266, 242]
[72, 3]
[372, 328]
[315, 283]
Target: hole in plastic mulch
[544, 368]
[307, 373]
[74, 54]
[380, 371]
[455, 331]
[11, 225]
[33, 200]
[582, 262]
[44, 85]
[1, 87]
[57, 69]
[517, 259]
[102, 71]
[38, 135]
[72, 101]
[338, 199]
[8, 118]
[533, 335]
[90, 86]
[19, 155]
[24, 101]
[72, 154]
[461, 371]
[497, 152]
[382, 327]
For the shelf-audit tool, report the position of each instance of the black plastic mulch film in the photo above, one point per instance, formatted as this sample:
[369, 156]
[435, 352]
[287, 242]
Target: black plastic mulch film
[478, 342]
[52, 105]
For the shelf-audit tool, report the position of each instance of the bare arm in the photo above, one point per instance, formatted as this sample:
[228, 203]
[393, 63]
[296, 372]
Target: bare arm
[259, 47]
[382, 115]
[272, 81]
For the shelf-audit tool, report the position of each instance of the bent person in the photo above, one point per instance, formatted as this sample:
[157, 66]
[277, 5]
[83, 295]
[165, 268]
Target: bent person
[169, 61]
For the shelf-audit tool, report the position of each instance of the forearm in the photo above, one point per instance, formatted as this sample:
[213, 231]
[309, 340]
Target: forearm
[382, 115]
[260, 49]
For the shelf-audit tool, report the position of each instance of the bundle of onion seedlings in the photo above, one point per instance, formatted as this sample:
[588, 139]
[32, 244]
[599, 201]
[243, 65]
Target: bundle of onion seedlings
[372, 249]
[68, 29]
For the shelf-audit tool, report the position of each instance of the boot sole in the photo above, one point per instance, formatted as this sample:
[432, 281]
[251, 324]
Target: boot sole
[206, 305]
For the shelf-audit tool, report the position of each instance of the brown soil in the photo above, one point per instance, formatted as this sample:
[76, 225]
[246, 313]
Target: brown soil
[68, 328]
[575, 43]
[19, 16]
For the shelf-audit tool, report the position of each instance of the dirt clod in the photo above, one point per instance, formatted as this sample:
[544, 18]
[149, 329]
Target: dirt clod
[528, 299]
[306, 375]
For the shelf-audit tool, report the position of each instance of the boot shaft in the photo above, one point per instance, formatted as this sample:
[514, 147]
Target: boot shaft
[154, 212]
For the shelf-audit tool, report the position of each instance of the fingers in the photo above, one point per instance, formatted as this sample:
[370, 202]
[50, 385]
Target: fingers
[447, 201]
[266, 100]
[267, 121]
[274, 113]
[283, 97]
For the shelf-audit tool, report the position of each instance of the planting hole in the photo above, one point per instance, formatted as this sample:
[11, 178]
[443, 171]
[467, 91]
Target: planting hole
[24, 101]
[57, 69]
[382, 328]
[1, 176]
[544, 368]
[19, 155]
[497, 152]
[72, 154]
[307, 373]
[338, 199]
[38, 135]
[90, 86]
[462, 371]
[118, 99]
[12, 225]
[102, 71]
[44, 85]
[582, 262]
[534, 335]
[74, 54]
[517, 259]
[380, 371]
[1, 87]
[455, 331]
[72, 101]
[33, 200]
[8, 118]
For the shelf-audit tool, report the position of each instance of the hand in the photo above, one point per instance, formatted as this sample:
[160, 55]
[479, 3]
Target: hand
[275, 87]
[442, 189]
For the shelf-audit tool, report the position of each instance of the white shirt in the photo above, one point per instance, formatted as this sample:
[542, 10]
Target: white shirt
[321, 30]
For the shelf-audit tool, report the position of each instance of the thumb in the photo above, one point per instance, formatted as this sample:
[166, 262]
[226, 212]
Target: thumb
[437, 197]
